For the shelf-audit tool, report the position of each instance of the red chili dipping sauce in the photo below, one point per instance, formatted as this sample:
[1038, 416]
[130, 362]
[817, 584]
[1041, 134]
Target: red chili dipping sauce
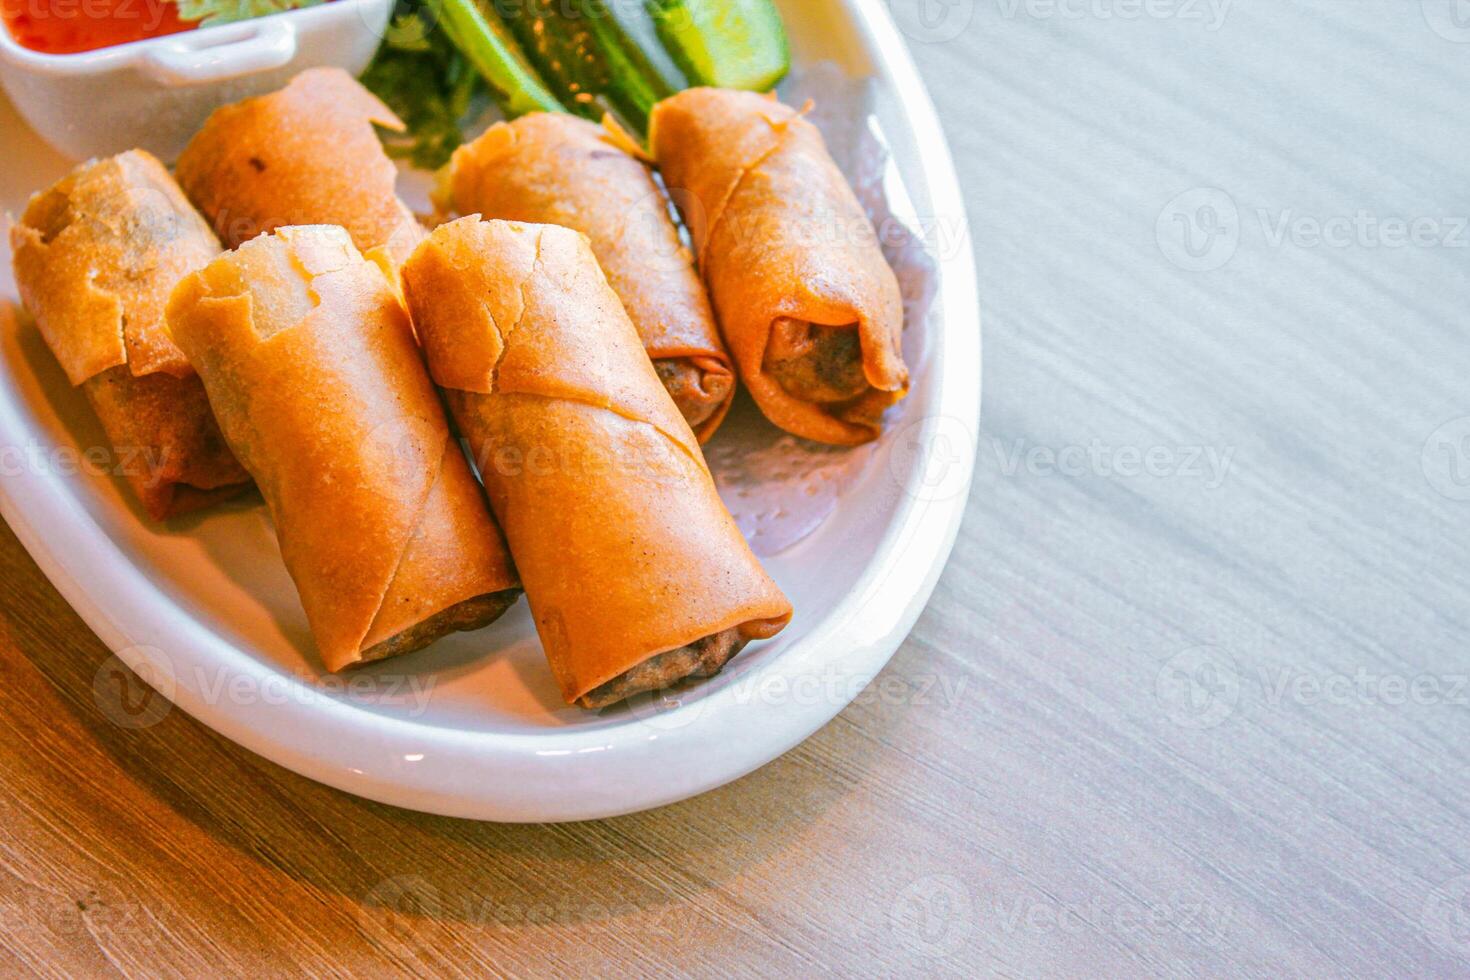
[74, 26]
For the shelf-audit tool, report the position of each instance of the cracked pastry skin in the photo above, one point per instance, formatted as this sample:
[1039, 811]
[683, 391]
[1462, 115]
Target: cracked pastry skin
[313, 372]
[304, 155]
[625, 549]
[95, 257]
[805, 300]
[553, 168]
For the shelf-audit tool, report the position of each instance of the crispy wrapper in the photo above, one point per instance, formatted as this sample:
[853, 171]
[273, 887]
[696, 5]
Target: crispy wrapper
[95, 258]
[556, 169]
[313, 373]
[636, 574]
[305, 155]
[807, 303]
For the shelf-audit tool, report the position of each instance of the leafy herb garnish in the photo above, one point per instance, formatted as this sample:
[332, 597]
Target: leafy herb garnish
[423, 78]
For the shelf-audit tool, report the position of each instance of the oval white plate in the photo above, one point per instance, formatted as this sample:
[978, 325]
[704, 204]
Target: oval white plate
[472, 727]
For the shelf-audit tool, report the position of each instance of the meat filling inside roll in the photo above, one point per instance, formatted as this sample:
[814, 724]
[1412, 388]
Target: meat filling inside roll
[806, 301]
[699, 390]
[470, 615]
[552, 168]
[816, 363]
[636, 574]
[308, 359]
[702, 658]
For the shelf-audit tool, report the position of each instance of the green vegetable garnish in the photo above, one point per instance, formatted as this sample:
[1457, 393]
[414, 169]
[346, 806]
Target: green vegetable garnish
[642, 72]
[423, 78]
[633, 22]
[210, 13]
[598, 56]
[484, 40]
[725, 43]
[585, 56]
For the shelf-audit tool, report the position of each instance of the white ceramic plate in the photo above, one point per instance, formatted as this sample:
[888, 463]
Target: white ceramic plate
[473, 726]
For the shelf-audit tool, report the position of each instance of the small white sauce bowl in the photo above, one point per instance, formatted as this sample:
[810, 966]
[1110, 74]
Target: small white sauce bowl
[155, 94]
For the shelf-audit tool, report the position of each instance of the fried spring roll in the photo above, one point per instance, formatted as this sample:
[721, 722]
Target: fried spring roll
[306, 155]
[636, 574]
[95, 258]
[314, 375]
[551, 168]
[805, 299]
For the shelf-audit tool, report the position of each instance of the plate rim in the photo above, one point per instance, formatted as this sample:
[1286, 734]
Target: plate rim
[352, 750]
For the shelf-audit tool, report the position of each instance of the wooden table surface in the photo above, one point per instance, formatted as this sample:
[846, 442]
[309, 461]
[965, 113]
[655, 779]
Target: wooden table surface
[1191, 697]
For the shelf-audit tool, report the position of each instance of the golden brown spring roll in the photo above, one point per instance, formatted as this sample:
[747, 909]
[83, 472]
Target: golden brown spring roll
[313, 373]
[807, 303]
[636, 574]
[552, 168]
[305, 155]
[95, 258]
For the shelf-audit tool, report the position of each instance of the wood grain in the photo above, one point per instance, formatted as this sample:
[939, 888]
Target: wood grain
[1161, 716]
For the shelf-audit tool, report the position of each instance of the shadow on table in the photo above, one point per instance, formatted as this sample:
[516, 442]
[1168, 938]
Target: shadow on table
[402, 877]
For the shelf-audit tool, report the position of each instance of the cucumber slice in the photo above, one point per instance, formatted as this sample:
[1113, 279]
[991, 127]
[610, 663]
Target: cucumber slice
[738, 44]
[641, 71]
[633, 23]
[561, 47]
[597, 56]
[484, 40]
